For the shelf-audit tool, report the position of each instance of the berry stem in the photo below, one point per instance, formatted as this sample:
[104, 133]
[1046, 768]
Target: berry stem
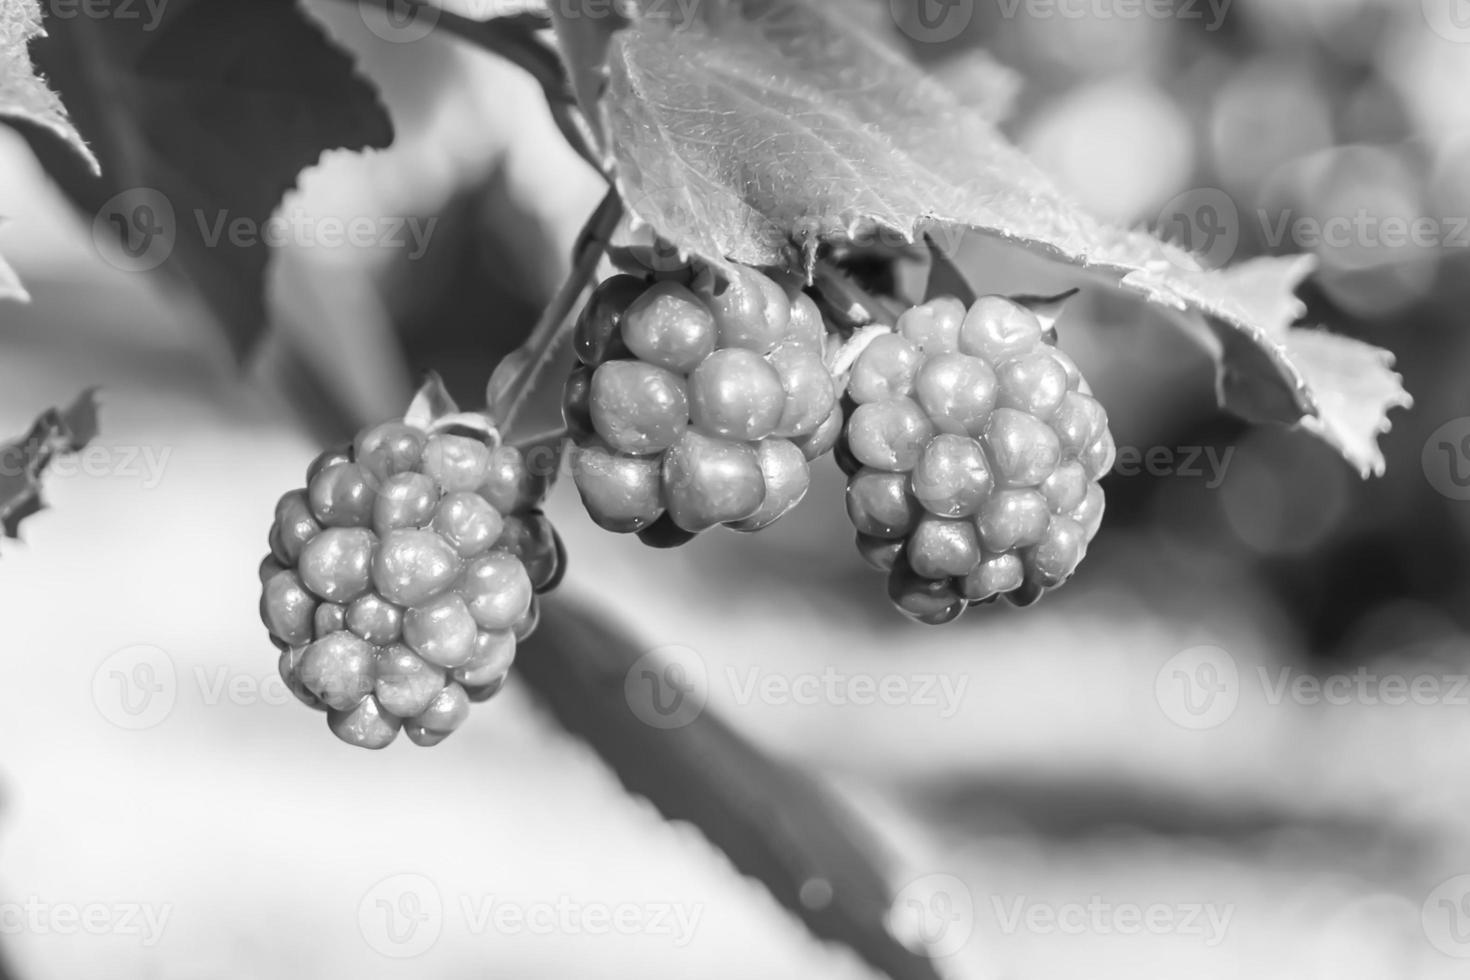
[515, 377]
[854, 304]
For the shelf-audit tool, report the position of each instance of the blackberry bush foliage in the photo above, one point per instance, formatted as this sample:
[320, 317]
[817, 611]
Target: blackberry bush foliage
[697, 404]
[402, 575]
[973, 449]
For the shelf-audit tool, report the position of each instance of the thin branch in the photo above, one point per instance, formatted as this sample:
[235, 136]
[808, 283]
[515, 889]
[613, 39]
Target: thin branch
[515, 377]
[515, 39]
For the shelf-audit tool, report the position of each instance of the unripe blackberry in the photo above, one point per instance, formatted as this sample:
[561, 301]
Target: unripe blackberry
[697, 405]
[973, 451]
[401, 577]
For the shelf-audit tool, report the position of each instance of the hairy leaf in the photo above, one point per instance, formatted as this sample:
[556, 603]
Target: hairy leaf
[23, 461]
[26, 101]
[772, 820]
[756, 130]
[203, 113]
[24, 97]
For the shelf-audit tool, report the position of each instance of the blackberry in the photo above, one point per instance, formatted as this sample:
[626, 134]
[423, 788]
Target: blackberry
[402, 576]
[973, 450]
[697, 403]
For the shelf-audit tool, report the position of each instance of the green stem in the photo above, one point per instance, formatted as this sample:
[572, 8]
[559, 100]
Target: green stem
[515, 377]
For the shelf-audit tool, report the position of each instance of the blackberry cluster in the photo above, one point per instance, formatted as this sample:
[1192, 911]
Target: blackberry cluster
[401, 577]
[697, 403]
[973, 449]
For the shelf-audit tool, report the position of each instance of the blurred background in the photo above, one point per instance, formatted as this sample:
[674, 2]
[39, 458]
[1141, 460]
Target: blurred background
[1236, 745]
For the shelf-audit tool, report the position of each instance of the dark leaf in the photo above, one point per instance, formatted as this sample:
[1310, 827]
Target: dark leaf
[23, 461]
[201, 120]
[773, 821]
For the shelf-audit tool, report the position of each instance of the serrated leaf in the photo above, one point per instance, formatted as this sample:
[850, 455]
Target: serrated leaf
[201, 119]
[23, 461]
[24, 96]
[756, 130]
[773, 821]
[26, 100]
